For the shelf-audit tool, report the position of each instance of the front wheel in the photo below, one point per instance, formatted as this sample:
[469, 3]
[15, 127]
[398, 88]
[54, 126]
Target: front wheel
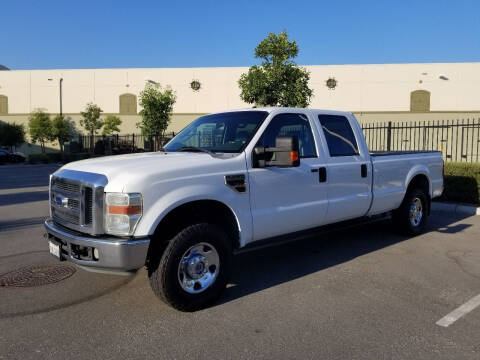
[410, 218]
[194, 268]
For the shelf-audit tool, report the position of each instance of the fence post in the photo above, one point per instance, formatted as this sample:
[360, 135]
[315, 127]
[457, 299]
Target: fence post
[389, 136]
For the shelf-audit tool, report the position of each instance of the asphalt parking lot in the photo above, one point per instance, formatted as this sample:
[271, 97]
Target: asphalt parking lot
[361, 293]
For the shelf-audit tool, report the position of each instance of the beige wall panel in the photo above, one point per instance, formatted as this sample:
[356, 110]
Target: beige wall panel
[78, 89]
[375, 117]
[45, 93]
[15, 85]
[109, 85]
[378, 96]
[346, 96]
[360, 87]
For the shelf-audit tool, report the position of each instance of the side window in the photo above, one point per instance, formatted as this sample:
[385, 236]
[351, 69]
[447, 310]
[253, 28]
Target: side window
[291, 125]
[208, 135]
[339, 134]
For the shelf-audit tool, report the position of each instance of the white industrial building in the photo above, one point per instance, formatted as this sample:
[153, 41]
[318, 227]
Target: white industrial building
[377, 92]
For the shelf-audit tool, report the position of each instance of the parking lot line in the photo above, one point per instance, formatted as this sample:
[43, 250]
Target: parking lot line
[459, 312]
[23, 190]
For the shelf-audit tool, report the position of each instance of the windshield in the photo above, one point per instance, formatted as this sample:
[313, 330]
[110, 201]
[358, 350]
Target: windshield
[224, 132]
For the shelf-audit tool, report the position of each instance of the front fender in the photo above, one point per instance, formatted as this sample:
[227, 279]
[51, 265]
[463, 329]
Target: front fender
[236, 202]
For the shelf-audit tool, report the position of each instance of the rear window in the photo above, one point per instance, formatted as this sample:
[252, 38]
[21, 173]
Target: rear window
[339, 135]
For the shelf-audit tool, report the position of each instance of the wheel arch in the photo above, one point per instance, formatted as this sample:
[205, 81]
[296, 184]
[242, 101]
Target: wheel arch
[201, 210]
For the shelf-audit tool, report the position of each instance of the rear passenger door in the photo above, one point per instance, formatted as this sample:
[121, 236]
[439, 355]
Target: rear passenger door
[349, 172]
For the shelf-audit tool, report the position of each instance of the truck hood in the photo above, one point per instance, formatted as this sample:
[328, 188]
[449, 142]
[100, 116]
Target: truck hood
[124, 170]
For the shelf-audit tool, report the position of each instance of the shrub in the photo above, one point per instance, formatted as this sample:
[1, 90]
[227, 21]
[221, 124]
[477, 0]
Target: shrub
[11, 135]
[99, 148]
[56, 158]
[462, 182]
[62, 130]
[74, 147]
[40, 128]
[38, 159]
[111, 125]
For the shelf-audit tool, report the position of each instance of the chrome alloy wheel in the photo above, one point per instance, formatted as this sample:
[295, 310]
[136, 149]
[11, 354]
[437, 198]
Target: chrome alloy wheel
[198, 268]
[416, 212]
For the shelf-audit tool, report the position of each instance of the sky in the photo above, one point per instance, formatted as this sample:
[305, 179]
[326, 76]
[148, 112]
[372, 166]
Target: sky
[45, 34]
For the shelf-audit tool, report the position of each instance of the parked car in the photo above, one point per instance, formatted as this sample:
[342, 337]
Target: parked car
[17, 157]
[227, 181]
[11, 157]
[3, 157]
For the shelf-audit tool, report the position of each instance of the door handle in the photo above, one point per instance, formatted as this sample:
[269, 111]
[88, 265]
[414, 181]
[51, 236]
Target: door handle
[322, 174]
[364, 170]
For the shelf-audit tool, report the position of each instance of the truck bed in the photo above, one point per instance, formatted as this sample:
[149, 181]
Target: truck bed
[392, 171]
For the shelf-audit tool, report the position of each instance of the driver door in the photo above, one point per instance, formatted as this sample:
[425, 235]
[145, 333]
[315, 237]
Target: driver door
[286, 200]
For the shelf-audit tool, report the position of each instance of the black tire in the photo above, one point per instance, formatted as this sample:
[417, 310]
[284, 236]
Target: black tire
[404, 221]
[164, 271]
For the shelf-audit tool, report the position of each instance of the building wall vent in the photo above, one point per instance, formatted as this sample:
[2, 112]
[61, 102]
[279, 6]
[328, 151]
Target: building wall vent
[420, 101]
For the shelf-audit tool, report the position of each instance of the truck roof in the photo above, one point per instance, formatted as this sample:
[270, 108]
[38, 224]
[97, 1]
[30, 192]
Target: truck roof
[270, 109]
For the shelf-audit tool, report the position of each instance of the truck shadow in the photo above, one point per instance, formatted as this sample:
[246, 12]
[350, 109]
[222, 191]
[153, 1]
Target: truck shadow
[261, 269]
[10, 225]
[23, 197]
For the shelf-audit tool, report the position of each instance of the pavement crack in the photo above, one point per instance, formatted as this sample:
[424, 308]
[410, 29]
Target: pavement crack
[453, 255]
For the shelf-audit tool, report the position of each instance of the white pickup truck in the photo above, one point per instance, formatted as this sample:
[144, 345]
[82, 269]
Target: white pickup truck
[226, 181]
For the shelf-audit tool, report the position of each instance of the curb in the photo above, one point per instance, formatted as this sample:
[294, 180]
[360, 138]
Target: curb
[23, 165]
[456, 208]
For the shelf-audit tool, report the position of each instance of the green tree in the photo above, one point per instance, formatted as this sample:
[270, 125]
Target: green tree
[111, 125]
[40, 128]
[91, 118]
[157, 111]
[278, 81]
[62, 130]
[12, 135]
[91, 121]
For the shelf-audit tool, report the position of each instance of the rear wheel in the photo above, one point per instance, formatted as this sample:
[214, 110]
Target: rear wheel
[193, 269]
[410, 218]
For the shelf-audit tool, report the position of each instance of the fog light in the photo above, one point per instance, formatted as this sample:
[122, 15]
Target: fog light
[95, 253]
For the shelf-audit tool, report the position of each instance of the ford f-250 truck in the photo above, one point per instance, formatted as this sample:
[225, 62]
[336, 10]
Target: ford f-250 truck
[228, 180]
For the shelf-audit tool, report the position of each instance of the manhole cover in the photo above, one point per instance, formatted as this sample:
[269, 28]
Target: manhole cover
[36, 275]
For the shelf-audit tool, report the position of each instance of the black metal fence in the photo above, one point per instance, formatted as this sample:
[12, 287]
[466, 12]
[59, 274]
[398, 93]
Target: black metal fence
[116, 144]
[458, 140]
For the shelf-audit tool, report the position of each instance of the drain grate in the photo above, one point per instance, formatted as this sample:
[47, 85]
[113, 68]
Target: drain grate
[36, 275]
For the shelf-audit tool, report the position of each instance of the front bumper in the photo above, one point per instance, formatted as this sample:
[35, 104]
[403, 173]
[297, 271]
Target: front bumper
[113, 253]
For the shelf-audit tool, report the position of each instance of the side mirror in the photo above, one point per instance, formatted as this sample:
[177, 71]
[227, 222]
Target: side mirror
[284, 154]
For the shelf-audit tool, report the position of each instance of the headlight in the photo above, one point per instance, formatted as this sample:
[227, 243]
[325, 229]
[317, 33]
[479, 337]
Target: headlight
[122, 213]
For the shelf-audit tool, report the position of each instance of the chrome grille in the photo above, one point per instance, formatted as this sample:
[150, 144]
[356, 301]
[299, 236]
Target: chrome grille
[62, 184]
[64, 216]
[88, 205]
[76, 200]
[73, 204]
[65, 199]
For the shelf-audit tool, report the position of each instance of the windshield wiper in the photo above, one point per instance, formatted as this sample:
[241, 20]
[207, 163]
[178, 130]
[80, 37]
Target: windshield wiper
[195, 149]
